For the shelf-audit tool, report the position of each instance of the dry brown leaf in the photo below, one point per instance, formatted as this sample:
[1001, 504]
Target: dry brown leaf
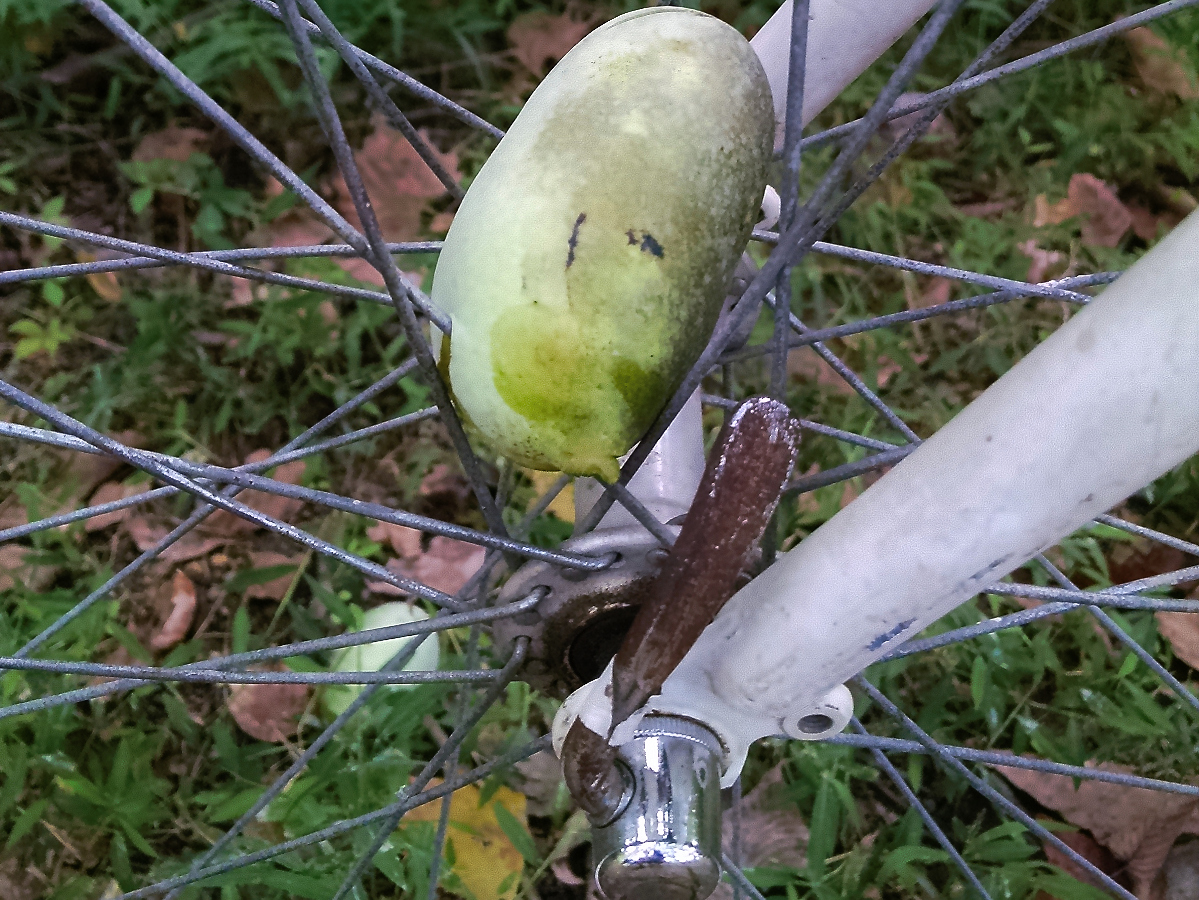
[183, 610]
[12, 558]
[12, 513]
[447, 565]
[1161, 67]
[105, 284]
[1138, 825]
[1142, 559]
[772, 832]
[540, 37]
[146, 535]
[1106, 218]
[1148, 225]
[1181, 629]
[1089, 849]
[441, 480]
[939, 291]
[223, 522]
[1042, 260]
[806, 365]
[404, 541]
[540, 779]
[110, 492]
[269, 712]
[172, 142]
[398, 182]
[277, 588]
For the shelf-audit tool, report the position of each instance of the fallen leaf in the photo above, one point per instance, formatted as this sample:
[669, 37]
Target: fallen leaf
[276, 588]
[1042, 260]
[1162, 68]
[183, 609]
[399, 184]
[442, 480]
[806, 365]
[12, 513]
[105, 284]
[773, 833]
[110, 492]
[441, 222]
[1090, 850]
[1138, 825]
[446, 566]
[404, 541]
[192, 545]
[1106, 218]
[172, 142]
[563, 505]
[1132, 561]
[269, 712]
[540, 780]
[1182, 631]
[1148, 225]
[485, 860]
[893, 129]
[939, 291]
[540, 37]
[223, 522]
[12, 558]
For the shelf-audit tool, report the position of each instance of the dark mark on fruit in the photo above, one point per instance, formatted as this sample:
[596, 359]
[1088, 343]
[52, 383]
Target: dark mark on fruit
[651, 246]
[574, 239]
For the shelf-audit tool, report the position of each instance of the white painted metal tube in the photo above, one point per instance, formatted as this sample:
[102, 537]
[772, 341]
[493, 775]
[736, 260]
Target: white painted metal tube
[1100, 409]
[844, 38]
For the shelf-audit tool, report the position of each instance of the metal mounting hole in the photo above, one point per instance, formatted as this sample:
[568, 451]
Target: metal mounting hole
[815, 723]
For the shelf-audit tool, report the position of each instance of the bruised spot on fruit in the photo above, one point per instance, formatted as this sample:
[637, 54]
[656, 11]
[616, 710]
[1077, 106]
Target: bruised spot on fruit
[651, 246]
[573, 242]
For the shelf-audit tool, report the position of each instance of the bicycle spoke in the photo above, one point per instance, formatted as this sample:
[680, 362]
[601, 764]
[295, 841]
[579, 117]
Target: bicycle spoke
[806, 483]
[409, 83]
[1142, 531]
[922, 811]
[1048, 290]
[991, 758]
[955, 765]
[196, 260]
[398, 808]
[839, 434]
[439, 759]
[402, 297]
[1124, 637]
[789, 189]
[66, 270]
[1097, 36]
[380, 97]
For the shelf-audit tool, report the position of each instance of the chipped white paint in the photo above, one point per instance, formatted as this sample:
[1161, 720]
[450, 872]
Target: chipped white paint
[1099, 410]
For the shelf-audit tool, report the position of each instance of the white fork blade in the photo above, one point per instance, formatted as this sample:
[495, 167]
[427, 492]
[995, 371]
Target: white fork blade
[1095, 413]
[1099, 410]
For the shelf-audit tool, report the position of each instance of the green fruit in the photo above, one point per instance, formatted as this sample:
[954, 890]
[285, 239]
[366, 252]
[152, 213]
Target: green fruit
[373, 657]
[587, 265]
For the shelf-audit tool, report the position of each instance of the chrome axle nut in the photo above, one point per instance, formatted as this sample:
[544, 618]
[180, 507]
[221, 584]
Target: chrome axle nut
[665, 842]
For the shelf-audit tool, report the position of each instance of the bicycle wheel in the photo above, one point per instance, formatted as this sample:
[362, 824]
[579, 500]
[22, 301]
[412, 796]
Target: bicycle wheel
[274, 841]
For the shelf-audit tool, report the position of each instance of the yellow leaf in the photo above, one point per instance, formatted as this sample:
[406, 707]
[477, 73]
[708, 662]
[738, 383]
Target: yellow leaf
[103, 283]
[485, 861]
[562, 506]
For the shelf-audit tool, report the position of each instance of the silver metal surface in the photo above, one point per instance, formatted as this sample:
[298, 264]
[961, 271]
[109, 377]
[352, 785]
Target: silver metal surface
[665, 843]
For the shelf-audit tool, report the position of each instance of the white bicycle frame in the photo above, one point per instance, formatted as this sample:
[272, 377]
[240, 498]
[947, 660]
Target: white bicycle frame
[1099, 410]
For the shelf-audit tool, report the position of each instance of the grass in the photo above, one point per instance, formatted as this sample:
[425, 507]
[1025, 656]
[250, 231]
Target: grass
[131, 788]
